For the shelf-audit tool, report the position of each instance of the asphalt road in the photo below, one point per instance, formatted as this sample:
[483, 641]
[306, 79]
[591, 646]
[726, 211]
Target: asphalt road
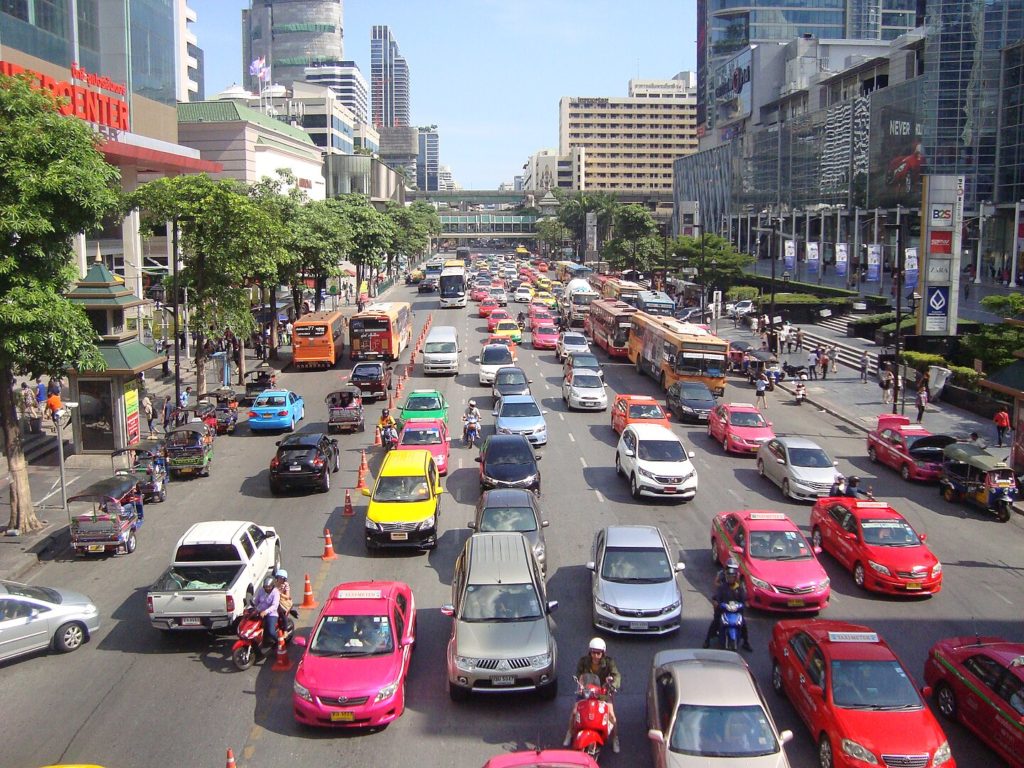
[134, 698]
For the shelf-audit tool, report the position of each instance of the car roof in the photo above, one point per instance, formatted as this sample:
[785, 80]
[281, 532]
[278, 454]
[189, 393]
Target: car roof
[267, 392]
[519, 399]
[590, 371]
[710, 677]
[637, 399]
[500, 439]
[425, 393]
[764, 520]
[399, 463]
[739, 407]
[843, 640]
[798, 442]
[862, 509]
[491, 346]
[301, 438]
[361, 597]
[506, 496]
[653, 432]
[422, 423]
[498, 557]
[633, 536]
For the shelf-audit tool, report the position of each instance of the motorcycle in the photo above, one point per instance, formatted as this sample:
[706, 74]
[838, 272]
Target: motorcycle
[251, 628]
[388, 437]
[794, 371]
[591, 727]
[470, 432]
[800, 394]
[730, 630]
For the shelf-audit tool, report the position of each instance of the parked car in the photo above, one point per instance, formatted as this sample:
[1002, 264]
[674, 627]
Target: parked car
[908, 448]
[304, 460]
[35, 618]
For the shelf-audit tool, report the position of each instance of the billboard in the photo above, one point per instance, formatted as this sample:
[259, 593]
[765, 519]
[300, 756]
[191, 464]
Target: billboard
[896, 158]
[842, 258]
[731, 88]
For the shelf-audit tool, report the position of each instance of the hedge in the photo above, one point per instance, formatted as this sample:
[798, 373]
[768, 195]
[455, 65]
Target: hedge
[742, 293]
[791, 299]
[879, 319]
[962, 375]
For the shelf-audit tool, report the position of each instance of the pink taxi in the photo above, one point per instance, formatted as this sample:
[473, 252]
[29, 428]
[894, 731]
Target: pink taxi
[779, 566]
[427, 435]
[353, 671]
[739, 427]
[543, 758]
[544, 337]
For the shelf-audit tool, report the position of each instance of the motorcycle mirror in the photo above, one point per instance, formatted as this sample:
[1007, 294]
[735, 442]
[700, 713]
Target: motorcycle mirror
[544, 523]
[656, 736]
[299, 641]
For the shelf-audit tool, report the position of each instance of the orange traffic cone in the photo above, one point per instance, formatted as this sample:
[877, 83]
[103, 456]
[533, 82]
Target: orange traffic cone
[363, 466]
[307, 595]
[348, 511]
[328, 547]
[391, 402]
[376, 439]
[361, 480]
[231, 759]
[281, 661]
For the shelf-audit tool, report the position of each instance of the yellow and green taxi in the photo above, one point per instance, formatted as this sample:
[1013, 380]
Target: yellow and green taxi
[404, 503]
[423, 404]
[546, 299]
[508, 328]
[542, 284]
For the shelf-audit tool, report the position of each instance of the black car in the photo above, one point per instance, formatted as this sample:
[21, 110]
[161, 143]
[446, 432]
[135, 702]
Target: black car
[510, 380]
[427, 285]
[508, 461]
[304, 460]
[373, 379]
[690, 400]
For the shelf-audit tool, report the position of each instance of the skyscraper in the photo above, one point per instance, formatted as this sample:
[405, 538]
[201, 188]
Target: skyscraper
[428, 162]
[348, 83]
[188, 55]
[389, 80]
[291, 35]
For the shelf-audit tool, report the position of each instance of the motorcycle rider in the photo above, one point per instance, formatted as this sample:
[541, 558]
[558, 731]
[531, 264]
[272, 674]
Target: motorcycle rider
[801, 387]
[266, 602]
[521, 320]
[284, 589]
[471, 414]
[387, 426]
[729, 587]
[598, 662]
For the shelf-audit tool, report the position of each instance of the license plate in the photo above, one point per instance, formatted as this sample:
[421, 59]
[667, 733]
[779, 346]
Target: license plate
[795, 603]
[294, 468]
[342, 717]
[503, 680]
[913, 585]
[186, 470]
[96, 548]
[669, 489]
[638, 625]
[399, 536]
[266, 415]
[191, 621]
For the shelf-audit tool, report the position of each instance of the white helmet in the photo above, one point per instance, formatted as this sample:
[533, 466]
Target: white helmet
[598, 644]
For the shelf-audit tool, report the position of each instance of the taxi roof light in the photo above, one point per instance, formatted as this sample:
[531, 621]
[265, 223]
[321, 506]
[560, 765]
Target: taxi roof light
[359, 594]
[872, 504]
[766, 516]
[853, 637]
[740, 405]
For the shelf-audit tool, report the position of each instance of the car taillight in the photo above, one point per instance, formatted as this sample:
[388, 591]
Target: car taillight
[318, 462]
[274, 462]
[253, 414]
[282, 413]
[149, 604]
[229, 601]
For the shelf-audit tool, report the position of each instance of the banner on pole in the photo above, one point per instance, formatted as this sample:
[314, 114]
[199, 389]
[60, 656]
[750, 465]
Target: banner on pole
[812, 259]
[790, 254]
[874, 262]
[842, 258]
[910, 268]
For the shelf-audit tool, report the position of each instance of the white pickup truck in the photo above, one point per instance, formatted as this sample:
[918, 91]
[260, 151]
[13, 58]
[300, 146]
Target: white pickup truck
[216, 567]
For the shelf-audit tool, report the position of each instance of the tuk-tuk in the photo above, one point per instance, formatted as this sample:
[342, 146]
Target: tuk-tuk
[105, 517]
[759, 361]
[345, 409]
[258, 381]
[203, 412]
[737, 351]
[225, 404]
[972, 474]
[190, 449]
[146, 461]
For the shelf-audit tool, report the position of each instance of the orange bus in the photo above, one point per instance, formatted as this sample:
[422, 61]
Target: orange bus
[608, 324]
[318, 339]
[669, 351]
[381, 331]
[623, 290]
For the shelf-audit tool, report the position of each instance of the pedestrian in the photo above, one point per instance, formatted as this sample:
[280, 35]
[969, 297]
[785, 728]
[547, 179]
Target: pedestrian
[288, 333]
[799, 340]
[790, 340]
[40, 393]
[30, 412]
[54, 405]
[823, 361]
[886, 382]
[864, 360]
[54, 387]
[812, 364]
[921, 400]
[761, 387]
[185, 395]
[165, 371]
[1002, 422]
[833, 355]
[147, 408]
[967, 288]
[168, 412]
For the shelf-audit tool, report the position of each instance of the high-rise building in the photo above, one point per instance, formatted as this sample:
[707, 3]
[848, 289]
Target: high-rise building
[631, 142]
[389, 80]
[347, 82]
[188, 55]
[291, 35]
[428, 161]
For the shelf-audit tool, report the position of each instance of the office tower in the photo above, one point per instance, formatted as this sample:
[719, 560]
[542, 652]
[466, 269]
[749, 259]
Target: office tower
[389, 80]
[188, 55]
[290, 35]
[348, 83]
[428, 161]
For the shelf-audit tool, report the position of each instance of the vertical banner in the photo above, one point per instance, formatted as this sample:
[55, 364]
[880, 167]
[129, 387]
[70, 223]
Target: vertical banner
[910, 269]
[812, 259]
[591, 230]
[131, 412]
[790, 253]
[842, 258]
[874, 262]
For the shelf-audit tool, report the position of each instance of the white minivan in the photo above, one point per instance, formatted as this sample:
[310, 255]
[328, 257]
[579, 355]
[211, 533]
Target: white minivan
[441, 350]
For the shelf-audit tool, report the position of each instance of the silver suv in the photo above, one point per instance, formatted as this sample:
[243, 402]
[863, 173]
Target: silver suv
[501, 634]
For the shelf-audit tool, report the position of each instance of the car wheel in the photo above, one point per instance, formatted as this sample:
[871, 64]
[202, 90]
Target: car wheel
[714, 553]
[825, 752]
[457, 692]
[618, 465]
[725, 444]
[949, 494]
[873, 454]
[777, 679]
[945, 699]
[634, 488]
[905, 471]
[69, 637]
[549, 692]
[785, 488]
[291, 427]
[325, 484]
[858, 575]
[816, 538]
[760, 467]
[131, 543]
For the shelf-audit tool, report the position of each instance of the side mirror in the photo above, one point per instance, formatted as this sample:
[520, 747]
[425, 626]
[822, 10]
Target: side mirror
[628, 452]
[737, 550]
[494, 413]
[300, 641]
[680, 566]
[815, 691]
[690, 454]
[544, 523]
[817, 550]
[537, 456]
[769, 424]
[471, 525]
[543, 413]
[780, 461]
[278, 442]
[923, 537]
[366, 491]
[785, 736]
[477, 459]
[438, 491]
[658, 737]
[552, 606]
[835, 463]
[529, 381]
[334, 441]
[926, 691]
[591, 565]
[448, 609]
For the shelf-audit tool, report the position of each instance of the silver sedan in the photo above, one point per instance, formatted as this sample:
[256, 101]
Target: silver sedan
[36, 618]
[583, 389]
[800, 467]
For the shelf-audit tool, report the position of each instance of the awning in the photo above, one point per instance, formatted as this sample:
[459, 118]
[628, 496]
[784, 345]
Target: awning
[146, 159]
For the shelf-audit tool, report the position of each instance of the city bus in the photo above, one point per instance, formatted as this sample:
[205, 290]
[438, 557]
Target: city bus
[433, 268]
[452, 285]
[608, 324]
[318, 339]
[598, 281]
[623, 290]
[669, 351]
[381, 331]
[567, 270]
[463, 255]
[655, 303]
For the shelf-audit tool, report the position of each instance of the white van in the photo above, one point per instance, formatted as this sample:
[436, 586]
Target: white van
[441, 350]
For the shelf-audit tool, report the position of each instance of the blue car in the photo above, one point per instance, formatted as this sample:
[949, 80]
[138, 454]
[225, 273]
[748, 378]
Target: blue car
[276, 409]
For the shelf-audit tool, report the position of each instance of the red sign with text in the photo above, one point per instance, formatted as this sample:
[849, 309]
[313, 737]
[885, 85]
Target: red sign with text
[940, 243]
[80, 101]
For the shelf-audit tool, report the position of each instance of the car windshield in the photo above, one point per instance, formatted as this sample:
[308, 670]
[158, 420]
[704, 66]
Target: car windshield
[272, 402]
[402, 489]
[496, 355]
[875, 685]
[421, 436]
[646, 411]
[809, 457]
[546, 330]
[517, 452]
[660, 450]
[633, 565]
[708, 731]
[585, 361]
[889, 533]
[696, 392]
[35, 593]
[510, 377]
[587, 381]
[746, 419]
[352, 636]
[575, 340]
[366, 373]
[519, 519]
[778, 545]
[500, 602]
[507, 325]
[519, 410]
[440, 347]
[424, 403]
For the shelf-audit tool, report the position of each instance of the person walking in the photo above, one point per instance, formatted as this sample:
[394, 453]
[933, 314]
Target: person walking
[1002, 422]
[863, 364]
[30, 410]
[799, 340]
[921, 400]
[185, 395]
[812, 364]
[761, 387]
[147, 408]
[40, 393]
[833, 356]
[886, 382]
[823, 361]
[168, 412]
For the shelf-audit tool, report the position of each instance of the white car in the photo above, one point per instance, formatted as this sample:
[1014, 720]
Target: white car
[523, 294]
[652, 458]
[499, 295]
[742, 308]
[570, 341]
[493, 357]
[583, 389]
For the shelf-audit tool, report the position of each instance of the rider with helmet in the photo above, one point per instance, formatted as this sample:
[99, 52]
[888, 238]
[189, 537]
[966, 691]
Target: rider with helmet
[284, 588]
[598, 662]
[471, 414]
[266, 601]
[386, 426]
[729, 587]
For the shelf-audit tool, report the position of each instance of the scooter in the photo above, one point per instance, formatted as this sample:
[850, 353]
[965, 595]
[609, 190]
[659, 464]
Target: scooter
[388, 437]
[249, 645]
[591, 727]
[800, 394]
[731, 630]
[794, 371]
[471, 432]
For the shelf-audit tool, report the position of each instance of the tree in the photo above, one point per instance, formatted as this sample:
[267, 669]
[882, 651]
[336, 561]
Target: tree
[1009, 305]
[573, 210]
[54, 183]
[372, 235]
[717, 266]
[323, 237]
[634, 223]
[414, 226]
[550, 232]
[642, 255]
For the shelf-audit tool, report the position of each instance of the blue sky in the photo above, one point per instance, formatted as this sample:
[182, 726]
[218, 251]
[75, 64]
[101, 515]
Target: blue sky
[489, 73]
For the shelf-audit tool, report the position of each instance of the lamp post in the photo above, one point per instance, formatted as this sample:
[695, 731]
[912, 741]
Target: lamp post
[58, 417]
[913, 301]
[897, 277]
[174, 312]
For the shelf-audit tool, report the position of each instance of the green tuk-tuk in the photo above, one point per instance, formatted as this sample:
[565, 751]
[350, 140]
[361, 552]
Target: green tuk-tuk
[190, 449]
[146, 461]
[973, 475]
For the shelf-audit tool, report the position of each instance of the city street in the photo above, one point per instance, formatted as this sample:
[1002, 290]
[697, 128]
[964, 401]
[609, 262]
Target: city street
[179, 701]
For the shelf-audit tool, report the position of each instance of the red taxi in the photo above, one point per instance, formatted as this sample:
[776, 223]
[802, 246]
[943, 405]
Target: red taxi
[544, 336]
[907, 447]
[541, 317]
[979, 681]
[739, 427]
[353, 671]
[637, 409]
[496, 316]
[855, 697]
[478, 293]
[779, 567]
[487, 306]
[877, 544]
[427, 435]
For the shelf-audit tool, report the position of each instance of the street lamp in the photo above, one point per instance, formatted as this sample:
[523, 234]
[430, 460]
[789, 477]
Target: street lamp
[58, 417]
[898, 268]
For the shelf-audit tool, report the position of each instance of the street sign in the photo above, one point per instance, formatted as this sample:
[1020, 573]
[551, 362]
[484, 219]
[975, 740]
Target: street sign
[936, 309]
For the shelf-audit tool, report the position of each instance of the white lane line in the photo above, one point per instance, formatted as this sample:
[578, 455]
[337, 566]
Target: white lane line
[734, 494]
[583, 461]
[573, 439]
[56, 489]
[561, 417]
[460, 462]
[1001, 597]
[600, 497]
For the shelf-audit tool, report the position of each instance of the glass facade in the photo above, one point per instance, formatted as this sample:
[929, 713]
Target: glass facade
[151, 37]
[1010, 174]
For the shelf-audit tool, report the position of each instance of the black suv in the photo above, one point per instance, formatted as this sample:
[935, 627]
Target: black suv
[304, 460]
[508, 461]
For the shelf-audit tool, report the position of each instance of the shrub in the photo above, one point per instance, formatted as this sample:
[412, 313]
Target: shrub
[921, 360]
[790, 299]
[879, 319]
[908, 323]
[965, 377]
[742, 293]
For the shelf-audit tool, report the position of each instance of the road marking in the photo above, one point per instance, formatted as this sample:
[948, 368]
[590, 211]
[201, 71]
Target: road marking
[573, 439]
[561, 417]
[56, 489]
[1001, 597]
[600, 498]
[582, 460]
[734, 494]
[460, 462]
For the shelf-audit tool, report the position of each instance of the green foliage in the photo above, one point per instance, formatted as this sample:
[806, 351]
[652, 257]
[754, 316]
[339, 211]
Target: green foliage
[573, 209]
[793, 299]
[1009, 305]
[920, 361]
[906, 323]
[414, 226]
[742, 293]
[718, 264]
[994, 345]
[550, 232]
[965, 377]
[877, 319]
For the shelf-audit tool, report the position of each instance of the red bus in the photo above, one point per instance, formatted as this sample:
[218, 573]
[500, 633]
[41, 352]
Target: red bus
[380, 331]
[608, 324]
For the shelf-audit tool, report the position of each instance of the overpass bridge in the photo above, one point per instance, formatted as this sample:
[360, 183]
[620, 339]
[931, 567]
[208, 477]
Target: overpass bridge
[470, 226]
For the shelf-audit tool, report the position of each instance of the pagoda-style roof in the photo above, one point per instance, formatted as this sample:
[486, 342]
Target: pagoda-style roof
[101, 289]
[126, 358]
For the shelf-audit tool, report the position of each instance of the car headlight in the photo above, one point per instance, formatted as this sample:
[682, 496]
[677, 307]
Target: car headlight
[879, 568]
[689, 475]
[539, 551]
[643, 472]
[672, 607]
[942, 754]
[605, 606]
[302, 691]
[824, 584]
[686, 409]
[387, 691]
[760, 583]
[937, 570]
[540, 660]
[857, 752]
[427, 524]
[465, 663]
[504, 431]
[372, 525]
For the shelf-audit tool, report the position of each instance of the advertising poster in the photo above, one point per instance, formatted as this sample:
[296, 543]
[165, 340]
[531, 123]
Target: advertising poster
[936, 309]
[896, 156]
[812, 259]
[874, 262]
[910, 268]
[790, 254]
[842, 258]
[732, 89]
[133, 430]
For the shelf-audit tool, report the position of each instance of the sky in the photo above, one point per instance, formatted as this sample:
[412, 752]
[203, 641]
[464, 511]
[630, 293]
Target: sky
[489, 73]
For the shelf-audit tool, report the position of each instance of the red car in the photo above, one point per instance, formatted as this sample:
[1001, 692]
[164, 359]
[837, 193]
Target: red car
[855, 697]
[637, 409]
[739, 427]
[495, 316]
[478, 293]
[979, 681]
[487, 306]
[909, 448]
[544, 336]
[877, 544]
[546, 758]
[429, 435]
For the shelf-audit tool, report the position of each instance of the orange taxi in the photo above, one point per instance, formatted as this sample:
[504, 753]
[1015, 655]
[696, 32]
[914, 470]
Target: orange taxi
[634, 409]
[506, 341]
